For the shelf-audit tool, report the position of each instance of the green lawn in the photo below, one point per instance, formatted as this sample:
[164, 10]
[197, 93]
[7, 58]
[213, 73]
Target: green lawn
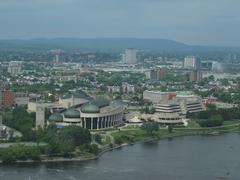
[193, 124]
[231, 122]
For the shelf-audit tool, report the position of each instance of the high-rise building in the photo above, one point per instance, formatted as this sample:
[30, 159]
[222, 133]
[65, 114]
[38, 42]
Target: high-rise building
[57, 58]
[217, 67]
[56, 53]
[195, 76]
[156, 74]
[15, 68]
[130, 56]
[191, 62]
[207, 65]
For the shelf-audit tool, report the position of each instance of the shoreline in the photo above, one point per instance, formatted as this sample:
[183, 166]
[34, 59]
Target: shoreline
[94, 157]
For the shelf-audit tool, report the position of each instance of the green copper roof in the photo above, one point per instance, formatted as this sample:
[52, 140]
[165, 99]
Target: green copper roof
[117, 102]
[100, 102]
[90, 108]
[72, 113]
[56, 117]
[78, 94]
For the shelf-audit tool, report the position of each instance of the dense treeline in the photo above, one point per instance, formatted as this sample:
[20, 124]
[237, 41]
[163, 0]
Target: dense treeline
[227, 114]
[64, 142]
[19, 119]
[215, 117]
[23, 153]
[214, 120]
[70, 141]
[150, 127]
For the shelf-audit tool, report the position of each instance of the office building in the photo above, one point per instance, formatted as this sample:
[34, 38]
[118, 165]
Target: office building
[130, 56]
[15, 68]
[172, 103]
[168, 108]
[195, 76]
[156, 74]
[157, 96]
[207, 65]
[191, 62]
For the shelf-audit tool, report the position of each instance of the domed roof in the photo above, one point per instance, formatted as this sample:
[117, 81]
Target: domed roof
[72, 113]
[77, 94]
[56, 117]
[117, 102]
[100, 102]
[90, 108]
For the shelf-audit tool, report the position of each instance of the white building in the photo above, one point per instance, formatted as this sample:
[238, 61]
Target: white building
[170, 102]
[191, 62]
[21, 99]
[130, 56]
[114, 89]
[128, 88]
[157, 96]
[15, 68]
[165, 119]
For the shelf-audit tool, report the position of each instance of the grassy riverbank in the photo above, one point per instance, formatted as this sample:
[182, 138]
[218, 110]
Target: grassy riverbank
[136, 134]
[116, 138]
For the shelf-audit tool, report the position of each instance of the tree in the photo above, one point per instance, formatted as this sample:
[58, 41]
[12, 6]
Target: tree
[75, 134]
[211, 107]
[98, 138]
[215, 120]
[22, 121]
[150, 127]
[63, 141]
[94, 149]
[170, 129]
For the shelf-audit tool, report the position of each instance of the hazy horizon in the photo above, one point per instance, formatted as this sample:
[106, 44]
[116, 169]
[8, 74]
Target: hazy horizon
[193, 22]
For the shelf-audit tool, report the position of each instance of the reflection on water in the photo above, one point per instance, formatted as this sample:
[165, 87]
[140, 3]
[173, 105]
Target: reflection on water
[198, 157]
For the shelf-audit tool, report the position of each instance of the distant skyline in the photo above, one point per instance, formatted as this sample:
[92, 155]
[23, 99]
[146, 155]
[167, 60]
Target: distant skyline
[194, 22]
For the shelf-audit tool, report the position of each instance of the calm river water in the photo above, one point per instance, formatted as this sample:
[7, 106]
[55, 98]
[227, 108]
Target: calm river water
[183, 158]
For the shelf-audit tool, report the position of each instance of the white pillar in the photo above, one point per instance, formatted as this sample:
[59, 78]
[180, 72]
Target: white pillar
[98, 123]
[106, 119]
[91, 123]
[85, 123]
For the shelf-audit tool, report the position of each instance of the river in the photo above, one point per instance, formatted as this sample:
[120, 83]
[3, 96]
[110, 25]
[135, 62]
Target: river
[182, 158]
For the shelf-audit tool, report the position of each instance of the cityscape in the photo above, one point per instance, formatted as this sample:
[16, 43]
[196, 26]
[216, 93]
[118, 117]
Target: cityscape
[119, 107]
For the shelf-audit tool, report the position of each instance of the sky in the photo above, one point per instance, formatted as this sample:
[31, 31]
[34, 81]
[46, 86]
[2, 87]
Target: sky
[195, 22]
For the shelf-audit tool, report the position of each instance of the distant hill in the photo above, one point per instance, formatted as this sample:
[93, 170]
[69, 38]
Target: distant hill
[107, 44]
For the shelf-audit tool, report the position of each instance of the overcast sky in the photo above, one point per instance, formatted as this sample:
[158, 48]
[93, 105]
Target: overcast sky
[202, 22]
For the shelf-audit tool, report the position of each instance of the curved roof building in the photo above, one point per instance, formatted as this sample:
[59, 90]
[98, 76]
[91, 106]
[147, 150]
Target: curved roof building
[96, 114]
[72, 113]
[55, 117]
[90, 108]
